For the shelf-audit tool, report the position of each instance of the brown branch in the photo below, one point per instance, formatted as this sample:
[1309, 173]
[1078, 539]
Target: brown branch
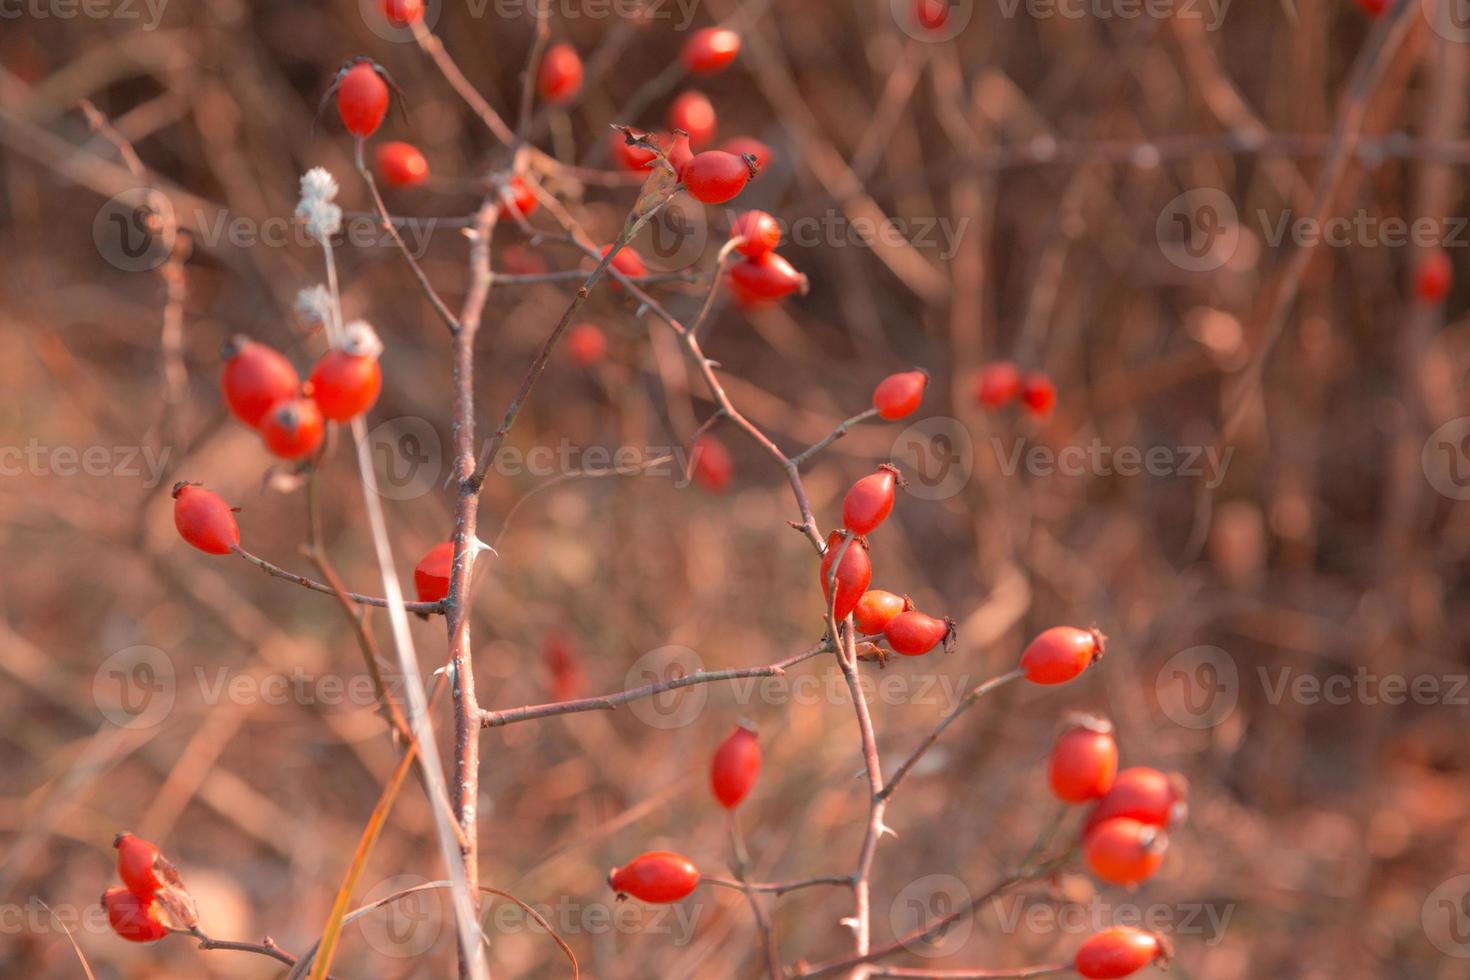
[967, 702]
[607, 702]
[425, 608]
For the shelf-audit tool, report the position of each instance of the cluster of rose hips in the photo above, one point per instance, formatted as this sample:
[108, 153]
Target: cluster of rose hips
[1001, 382]
[150, 894]
[762, 276]
[1124, 837]
[264, 392]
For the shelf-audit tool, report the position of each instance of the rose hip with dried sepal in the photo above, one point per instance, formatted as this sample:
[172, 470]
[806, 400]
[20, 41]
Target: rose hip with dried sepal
[362, 97]
[346, 381]
[1061, 653]
[1124, 851]
[656, 877]
[255, 378]
[914, 634]
[899, 395]
[870, 500]
[204, 519]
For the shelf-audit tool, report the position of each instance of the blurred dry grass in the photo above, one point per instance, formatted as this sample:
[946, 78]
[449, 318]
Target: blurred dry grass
[1319, 829]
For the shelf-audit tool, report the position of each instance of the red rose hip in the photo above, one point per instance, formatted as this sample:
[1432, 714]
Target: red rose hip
[204, 520]
[1060, 654]
[898, 395]
[710, 50]
[760, 233]
[875, 609]
[1119, 952]
[657, 877]
[133, 917]
[135, 863]
[293, 429]
[346, 381]
[914, 634]
[1123, 851]
[560, 78]
[736, 765]
[431, 575]
[870, 500]
[362, 99]
[854, 573]
[1084, 760]
[255, 377]
[694, 114]
[1145, 795]
[998, 385]
[401, 165]
[714, 176]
